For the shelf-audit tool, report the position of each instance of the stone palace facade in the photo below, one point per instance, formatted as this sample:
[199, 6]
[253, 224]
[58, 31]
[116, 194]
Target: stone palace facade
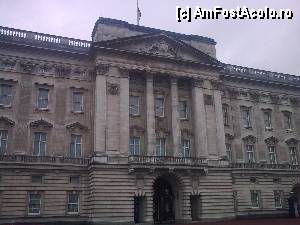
[141, 125]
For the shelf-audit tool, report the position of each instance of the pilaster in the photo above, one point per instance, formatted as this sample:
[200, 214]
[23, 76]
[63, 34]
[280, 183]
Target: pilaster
[175, 117]
[199, 116]
[150, 115]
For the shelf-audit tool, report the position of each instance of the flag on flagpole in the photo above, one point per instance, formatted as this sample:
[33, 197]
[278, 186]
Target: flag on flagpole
[139, 14]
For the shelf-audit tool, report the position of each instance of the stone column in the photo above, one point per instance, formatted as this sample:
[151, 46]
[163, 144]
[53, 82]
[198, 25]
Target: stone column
[175, 117]
[199, 118]
[124, 111]
[100, 110]
[219, 120]
[150, 115]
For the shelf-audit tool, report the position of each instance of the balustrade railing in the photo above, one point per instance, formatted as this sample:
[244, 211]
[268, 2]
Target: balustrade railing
[40, 38]
[166, 160]
[43, 159]
[265, 166]
[262, 74]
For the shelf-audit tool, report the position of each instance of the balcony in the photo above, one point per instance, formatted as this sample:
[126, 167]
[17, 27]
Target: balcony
[168, 162]
[43, 159]
[264, 166]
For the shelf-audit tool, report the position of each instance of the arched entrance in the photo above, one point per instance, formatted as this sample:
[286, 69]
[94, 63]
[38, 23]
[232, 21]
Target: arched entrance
[166, 198]
[294, 201]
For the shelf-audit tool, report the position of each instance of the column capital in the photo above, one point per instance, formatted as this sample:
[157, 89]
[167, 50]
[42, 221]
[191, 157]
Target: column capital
[124, 72]
[102, 69]
[173, 80]
[216, 84]
[198, 82]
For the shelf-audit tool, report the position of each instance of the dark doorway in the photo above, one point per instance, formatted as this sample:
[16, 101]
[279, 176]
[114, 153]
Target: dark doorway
[163, 201]
[195, 207]
[139, 209]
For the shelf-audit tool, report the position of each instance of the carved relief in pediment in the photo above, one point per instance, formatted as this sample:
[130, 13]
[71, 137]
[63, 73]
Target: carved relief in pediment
[161, 47]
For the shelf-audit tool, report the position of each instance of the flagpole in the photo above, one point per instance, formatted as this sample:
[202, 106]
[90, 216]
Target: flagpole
[137, 13]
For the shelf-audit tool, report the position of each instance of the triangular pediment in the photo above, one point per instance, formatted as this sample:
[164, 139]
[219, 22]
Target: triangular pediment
[6, 121]
[159, 45]
[76, 125]
[41, 124]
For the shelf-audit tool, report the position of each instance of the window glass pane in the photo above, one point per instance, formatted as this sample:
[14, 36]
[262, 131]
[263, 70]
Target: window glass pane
[73, 203]
[34, 203]
[5, 94]
[134, 105]
[40, 144]
[182, 109]
[3, 141]
[77, 101]
[75, 145]
[159, 106]
[267, 119]
[43, 98]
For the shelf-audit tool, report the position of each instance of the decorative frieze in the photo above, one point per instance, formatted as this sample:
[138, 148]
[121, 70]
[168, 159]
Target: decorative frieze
[198, 82]
[112, 89]
[62, 71]
[102, 69]
[27, 66]
[76, 125]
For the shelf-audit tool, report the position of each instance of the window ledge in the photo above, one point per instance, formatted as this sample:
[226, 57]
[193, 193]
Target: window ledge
[134, 115]
[248, 128]
[269, 128]
[77, 112]
[289, 130]
[34, 214]
[73, 213]
[41, 110]
[183, 119]
[5, 106]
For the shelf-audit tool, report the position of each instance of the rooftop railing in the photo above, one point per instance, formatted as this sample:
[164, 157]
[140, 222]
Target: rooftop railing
[262, 74]
[43, 159]
[265, 166]
[43, 39]
[167, 160]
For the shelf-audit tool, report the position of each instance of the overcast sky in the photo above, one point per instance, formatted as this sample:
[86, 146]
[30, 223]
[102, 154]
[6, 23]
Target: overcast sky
[263, 44]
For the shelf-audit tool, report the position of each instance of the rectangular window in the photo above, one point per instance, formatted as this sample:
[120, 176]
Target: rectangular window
[293, 155]
[160, 106]
[39, 146]
[134, 105]
[225, 115]
[250, 157]
[287, 117]
[134, 146]
[37, 179]
[278, 194]
[3, 141]
[43, 98]
[255, 195]
[268, 119]
[74, 180]
[182, 108]
[228, 151]
[5, 94]
[246, 117]
[186, 148]
[34, 204]
[73, 203]
[160, 146]
[75, 146]
[208, 99]
[77, 102]
[272, 154]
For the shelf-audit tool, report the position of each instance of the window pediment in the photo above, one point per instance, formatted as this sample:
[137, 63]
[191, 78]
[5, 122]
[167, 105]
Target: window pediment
[6, 121]
[249, 139]
[41, 124]
[76, 125]
[229, 137]
[271, 140]
[291, 141]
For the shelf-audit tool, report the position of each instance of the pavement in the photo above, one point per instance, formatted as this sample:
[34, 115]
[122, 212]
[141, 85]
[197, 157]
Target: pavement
[275, 221]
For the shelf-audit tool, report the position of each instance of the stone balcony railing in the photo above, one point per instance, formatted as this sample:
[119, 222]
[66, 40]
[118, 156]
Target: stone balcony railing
[265, 166]
[43, 159]
[40, 39]
[166, 160]
[261, 75]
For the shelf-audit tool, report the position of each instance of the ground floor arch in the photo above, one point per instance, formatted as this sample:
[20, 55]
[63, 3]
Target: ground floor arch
[166, 198]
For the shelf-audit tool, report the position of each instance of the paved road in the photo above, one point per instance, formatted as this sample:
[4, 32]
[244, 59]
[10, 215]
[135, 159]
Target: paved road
[279, 221]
